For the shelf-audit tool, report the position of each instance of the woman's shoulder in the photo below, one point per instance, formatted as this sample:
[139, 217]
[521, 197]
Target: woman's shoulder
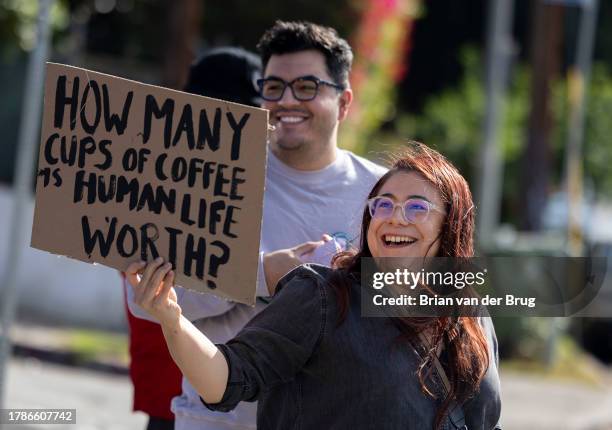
[310, 273]
[311, 282]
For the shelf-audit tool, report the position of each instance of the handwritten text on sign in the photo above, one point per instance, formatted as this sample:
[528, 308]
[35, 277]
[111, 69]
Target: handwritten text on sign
[129, 171]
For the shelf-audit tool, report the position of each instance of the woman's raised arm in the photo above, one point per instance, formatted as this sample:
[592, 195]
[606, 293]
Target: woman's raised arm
[199, 359]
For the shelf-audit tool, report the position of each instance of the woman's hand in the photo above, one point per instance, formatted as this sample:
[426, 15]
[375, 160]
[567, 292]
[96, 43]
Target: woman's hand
[153, 290]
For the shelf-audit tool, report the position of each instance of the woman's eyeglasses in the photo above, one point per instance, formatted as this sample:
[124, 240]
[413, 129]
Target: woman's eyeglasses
[414, 210]
[304, 88]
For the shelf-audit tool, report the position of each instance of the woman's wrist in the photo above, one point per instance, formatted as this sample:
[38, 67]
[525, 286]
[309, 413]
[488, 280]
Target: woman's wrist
[172, 326]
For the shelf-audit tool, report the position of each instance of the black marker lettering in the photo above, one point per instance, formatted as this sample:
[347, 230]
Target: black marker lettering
[205, 134]
[196, 255]
[179, 169]
[57, 177]
[159, 167]
[237, 136]
[185, 126]
[61, 101]
[124, 188]
[86, 146]
[80, 183]
[113, 120]
[106, 193]
[154, 200]
[68, 153]
[220, 181]
[215, 217]
[97, 238]
[152, 108]
[229, 220]
[148, 241]
[173, 232]
[236, 181]
[90, 128]
[121, 237]
[218, 260]
[108, 157]
[49, 158]
[185, 209]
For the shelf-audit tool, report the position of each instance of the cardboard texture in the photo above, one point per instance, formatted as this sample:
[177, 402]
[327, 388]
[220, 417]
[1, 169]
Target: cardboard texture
[129, 171]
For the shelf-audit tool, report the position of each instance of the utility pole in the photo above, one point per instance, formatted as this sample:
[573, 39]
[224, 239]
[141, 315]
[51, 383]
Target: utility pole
[578, 80]
[499, 52]
[23, 180]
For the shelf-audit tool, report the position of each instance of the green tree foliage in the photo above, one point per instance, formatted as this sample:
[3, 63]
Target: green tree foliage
[452, 122]
[18, 24]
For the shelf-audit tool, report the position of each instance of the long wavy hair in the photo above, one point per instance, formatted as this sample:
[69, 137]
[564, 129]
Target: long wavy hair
[462, 337]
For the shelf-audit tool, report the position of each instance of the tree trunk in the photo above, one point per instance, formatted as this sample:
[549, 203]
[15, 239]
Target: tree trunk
[183, 30]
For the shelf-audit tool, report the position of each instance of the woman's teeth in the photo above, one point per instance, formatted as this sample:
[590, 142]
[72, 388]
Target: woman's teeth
[398, 240]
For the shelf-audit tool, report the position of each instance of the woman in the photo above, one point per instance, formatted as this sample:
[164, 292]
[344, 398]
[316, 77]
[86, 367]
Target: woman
[310, 358]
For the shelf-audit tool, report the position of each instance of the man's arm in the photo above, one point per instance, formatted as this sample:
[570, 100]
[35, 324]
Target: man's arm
[277, 264]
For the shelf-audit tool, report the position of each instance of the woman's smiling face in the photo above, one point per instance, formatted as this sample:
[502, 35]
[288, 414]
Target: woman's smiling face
[396, 236]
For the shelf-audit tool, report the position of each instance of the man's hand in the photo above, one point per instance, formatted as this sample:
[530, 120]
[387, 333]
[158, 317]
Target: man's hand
[153, 290]
[276, 264]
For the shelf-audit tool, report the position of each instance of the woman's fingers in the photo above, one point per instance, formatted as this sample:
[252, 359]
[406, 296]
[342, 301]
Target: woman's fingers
[149, 270]
[143, 286]
[131, 273]
[135, 267]
[155, 282]
[164, 291]
[154, 292]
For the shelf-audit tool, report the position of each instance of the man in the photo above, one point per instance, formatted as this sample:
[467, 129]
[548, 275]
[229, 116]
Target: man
[313, 189]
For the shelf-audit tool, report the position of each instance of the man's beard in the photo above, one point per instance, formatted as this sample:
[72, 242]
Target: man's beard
[291, 144]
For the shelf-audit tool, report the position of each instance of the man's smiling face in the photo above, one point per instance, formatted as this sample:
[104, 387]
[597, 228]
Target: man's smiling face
[304, 125]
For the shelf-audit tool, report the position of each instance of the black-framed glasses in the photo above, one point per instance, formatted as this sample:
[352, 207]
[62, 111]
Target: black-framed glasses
[304, 88]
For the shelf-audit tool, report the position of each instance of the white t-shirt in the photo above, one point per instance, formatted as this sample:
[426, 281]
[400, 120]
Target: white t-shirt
[299, 206]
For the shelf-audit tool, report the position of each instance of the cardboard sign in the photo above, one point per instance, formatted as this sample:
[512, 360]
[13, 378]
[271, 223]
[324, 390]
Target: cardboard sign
[129, 171]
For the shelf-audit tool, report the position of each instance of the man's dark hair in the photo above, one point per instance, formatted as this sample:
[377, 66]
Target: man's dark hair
[286, 37]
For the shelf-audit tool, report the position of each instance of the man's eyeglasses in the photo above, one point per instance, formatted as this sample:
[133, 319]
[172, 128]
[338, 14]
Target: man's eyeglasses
[413, 210]
[304, 88]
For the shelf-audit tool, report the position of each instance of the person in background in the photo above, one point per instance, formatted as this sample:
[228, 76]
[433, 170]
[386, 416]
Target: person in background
[313, 195]
[227, 73]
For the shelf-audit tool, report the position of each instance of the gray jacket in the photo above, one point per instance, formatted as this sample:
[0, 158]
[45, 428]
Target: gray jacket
[309, 372]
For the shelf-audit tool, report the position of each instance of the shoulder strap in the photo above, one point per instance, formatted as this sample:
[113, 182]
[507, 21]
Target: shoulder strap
[455, 414]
